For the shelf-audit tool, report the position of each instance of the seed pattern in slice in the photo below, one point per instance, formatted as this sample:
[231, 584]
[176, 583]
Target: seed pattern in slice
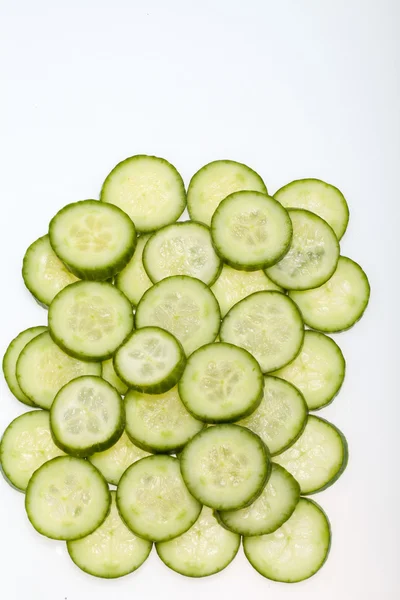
[133, 280]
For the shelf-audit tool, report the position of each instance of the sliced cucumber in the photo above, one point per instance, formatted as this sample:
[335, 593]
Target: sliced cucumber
[87, 416]
[281, 417]
[133, 280]
[182, 249]
[90, 319]
[270, 510]
[340, 302]
[95, 240]
[25, 446]
[318, 197]
[233, 285]
[11, 358]
[149, 189]
[185, 307]
[206, 548]
[317, 371]
[214, 182]
[154, 501]
[225, 466]
[313, 254]
[268, 325]
[318, 457]
[43, 272]
[159, 423]
[112, 550]
[251, 230]
[43, 369]
[151, 360]
[108, 373]
[221, 383]
[295, 551]
[67, 498]
[112, 463]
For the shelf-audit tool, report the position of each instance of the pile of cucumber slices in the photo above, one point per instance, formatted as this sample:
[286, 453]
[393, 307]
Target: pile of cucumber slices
[181, 363]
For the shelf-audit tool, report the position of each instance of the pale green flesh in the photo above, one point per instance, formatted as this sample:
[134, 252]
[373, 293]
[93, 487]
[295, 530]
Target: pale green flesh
[133, 280]
[108, 374]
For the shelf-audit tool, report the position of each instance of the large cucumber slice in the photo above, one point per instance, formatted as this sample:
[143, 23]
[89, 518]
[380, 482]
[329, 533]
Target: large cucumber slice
[133, 280]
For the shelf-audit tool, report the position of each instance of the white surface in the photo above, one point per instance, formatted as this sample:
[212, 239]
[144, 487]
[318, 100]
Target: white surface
[293, 88]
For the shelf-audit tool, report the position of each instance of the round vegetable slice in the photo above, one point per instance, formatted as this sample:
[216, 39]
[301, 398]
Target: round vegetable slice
[268, 325]
[108, 373]
[206, 548]
[149, 189]
[133, 280]
[154, 501]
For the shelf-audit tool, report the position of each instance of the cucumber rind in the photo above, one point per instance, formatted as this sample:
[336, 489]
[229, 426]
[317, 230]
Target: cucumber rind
[133, 280]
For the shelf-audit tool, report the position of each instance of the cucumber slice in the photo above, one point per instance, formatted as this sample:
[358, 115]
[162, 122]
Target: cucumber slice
[317, 371]
[149, 189]
[185, 307]
[233, 285]
[313, 254]
[340, 302]
[112, 550]
[251, 230]
[159, 423]
[10, 360]
[154, 501]
[108, 374]
[206, 548]
[43, 369]
[225, 466]
[214, 182]
[25, 446]
[318, 457]
[221, 383]
[112, 463]
[67, 498]
[133, 280]
[90, 319]
[281, 417]
[43, 272]
[93, 239]
[295, 551]
[321, 198]
[87, 416]
[182, 249]
[151, 360]
[270, 510]
[268, 325]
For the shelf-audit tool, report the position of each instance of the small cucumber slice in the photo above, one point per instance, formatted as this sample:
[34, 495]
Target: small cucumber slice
[318, 457]
[221, 383]
[149, 189]
[251, 230]
[108, 374]
[339, 303]
[160, 422]
[25, 446]
[319, 197]
[67, 498]
[87, 416]
[10, 360]
[112, 550]
[225, 466]
[214, 182]
[90, 319]
[95, 240]
[154, 501]
[43, 272]
[206, 548]
[317, 371]
[270, 510]
[295, 551]
[151, 360]
[281, 417]
[185, 307]
[268, 325]
[43, 369]
[133, 280]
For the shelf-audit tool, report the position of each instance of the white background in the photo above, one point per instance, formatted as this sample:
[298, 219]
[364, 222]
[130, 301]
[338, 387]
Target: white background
[293, 88]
